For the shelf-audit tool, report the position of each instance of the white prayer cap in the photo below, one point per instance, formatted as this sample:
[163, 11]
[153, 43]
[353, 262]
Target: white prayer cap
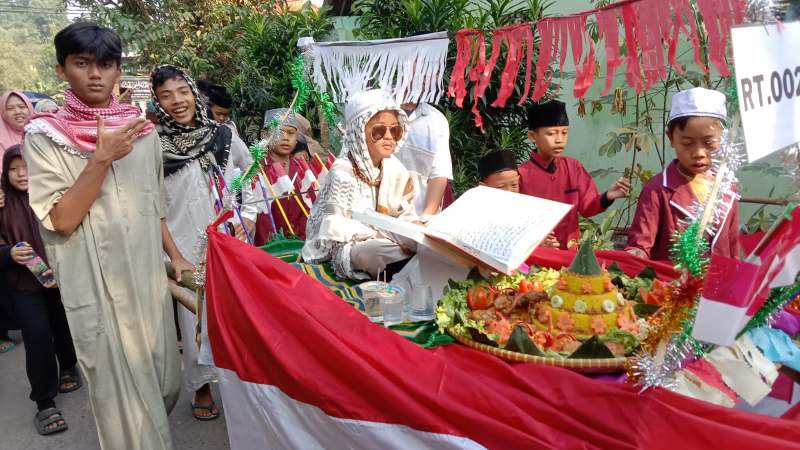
[368, 102]
[698, 102]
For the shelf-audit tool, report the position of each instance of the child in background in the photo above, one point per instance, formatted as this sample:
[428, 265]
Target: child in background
[550, 175]
[498, 170]
[39, 311]
[695, 126]
[284, 172]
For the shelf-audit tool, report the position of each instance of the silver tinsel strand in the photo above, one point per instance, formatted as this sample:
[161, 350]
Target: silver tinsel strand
[732, 155]
[791, 160]
[643, 367]
[200, 257]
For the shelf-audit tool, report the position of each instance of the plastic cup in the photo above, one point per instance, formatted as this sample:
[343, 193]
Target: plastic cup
[391, 301]
[372, 305]
[423, 307]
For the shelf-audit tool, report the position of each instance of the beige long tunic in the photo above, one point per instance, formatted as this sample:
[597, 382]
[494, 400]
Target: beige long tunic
[114, 288]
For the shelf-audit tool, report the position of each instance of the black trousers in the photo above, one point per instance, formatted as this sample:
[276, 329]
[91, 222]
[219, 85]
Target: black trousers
[6, 310]
[48, 342]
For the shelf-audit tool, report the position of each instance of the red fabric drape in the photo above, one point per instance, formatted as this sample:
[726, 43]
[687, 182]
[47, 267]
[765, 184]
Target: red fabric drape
[272, 325]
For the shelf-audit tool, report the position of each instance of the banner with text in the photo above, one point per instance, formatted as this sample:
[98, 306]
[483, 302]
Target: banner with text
[767, 62]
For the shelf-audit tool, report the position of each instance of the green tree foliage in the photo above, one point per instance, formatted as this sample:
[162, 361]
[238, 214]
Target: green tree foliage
[505, 128]
[27, 55]
[244, 45]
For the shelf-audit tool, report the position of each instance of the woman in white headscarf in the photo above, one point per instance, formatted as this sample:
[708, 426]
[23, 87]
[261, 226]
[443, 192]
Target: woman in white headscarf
[365, 177]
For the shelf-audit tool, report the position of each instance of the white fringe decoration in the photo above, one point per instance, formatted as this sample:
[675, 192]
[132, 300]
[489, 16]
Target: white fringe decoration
[411, 69]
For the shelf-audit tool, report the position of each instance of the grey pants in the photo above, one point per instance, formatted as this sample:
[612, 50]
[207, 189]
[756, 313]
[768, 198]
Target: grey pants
[372, 256]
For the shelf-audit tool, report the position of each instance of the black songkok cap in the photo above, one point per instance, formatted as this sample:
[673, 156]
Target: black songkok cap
[219, 96]
[496, 161]
[216, 94]
[548, 114]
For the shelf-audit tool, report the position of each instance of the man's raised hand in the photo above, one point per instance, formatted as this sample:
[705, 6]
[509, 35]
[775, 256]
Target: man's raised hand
[116, 144]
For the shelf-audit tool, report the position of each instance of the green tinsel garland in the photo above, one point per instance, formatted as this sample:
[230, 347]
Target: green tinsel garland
[777, 299]
[327, 106]
[303, 92]
[274, 123]
[300, 84]
[689, 250]
[685, 336]
[257, 152]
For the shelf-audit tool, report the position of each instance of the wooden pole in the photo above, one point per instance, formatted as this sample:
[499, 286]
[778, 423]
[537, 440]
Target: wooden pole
[765, 201]
[183, 297]
[324, 135]
[275, 196]
[187, 277]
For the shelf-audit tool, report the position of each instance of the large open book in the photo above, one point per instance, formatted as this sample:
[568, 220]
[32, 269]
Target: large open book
[485, 226]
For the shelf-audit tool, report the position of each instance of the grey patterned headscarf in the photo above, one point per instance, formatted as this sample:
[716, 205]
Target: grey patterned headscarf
[181, 144]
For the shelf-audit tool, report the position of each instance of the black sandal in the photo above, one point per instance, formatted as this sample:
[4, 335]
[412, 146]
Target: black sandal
[70, 376]
[208, 407]
[46, 417]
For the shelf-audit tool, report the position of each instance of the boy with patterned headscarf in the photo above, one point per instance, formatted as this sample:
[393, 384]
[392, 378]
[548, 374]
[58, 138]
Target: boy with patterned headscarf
[200, 157]
[96, 186]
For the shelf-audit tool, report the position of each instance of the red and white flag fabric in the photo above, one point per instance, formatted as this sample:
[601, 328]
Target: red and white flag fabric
[300, 368]
[735, 290]
[309, 184]
[778, 254]
[320, 165]
[724, 302]
[280, 179]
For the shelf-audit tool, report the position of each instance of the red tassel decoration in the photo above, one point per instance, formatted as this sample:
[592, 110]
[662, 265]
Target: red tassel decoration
[683, 8]
[653, 31]
[527, 37]
[547, 50]
[475, 75]
[633, 72]
[608, 30]
[649, 26]
[458, 85]
[584, 73]
[718, 17]
[515, 37]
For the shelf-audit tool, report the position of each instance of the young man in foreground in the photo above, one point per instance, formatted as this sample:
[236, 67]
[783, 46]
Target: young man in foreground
[96, 185]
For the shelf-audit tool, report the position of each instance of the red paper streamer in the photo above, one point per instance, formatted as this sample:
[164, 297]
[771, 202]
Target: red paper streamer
[649, 27]
[515, 38]
[718, 17]
[584, 73]
[654, 19]
[633, 71]
[608, 30]
[458, 86]
[547, 49]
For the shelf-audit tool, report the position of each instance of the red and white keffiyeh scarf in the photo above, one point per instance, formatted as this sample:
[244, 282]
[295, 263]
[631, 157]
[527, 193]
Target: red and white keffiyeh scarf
[75, 125]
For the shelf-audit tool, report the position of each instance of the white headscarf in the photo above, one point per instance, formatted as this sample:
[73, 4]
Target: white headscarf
[330, 227]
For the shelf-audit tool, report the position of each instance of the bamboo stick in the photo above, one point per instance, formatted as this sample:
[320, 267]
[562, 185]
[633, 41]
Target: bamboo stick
[183, 297]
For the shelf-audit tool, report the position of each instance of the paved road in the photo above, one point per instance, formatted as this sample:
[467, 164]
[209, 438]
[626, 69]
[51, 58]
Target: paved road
[17, 411]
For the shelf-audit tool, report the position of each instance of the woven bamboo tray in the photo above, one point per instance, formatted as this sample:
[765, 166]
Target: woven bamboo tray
[605, 365]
